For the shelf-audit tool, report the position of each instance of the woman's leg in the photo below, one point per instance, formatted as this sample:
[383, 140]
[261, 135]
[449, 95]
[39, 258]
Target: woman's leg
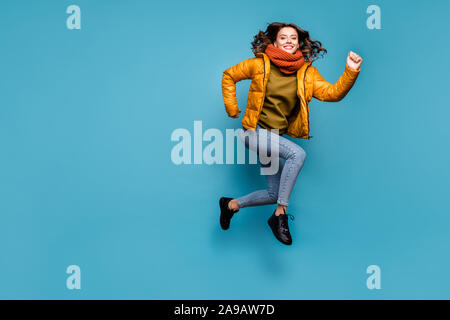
[251, 140]
[281, 183]
[266, 196]
[295, 158]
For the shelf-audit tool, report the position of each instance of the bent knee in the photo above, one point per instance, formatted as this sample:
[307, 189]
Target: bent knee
[298, 155]
[273, 196]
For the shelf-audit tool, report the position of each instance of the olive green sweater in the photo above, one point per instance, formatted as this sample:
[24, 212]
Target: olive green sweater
[280, 100]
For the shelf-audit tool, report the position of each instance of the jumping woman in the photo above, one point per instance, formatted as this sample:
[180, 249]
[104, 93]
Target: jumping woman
[283, 82]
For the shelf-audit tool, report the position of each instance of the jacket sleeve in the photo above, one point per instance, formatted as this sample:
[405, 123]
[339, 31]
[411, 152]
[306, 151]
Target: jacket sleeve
[326, 91]
[243, 70]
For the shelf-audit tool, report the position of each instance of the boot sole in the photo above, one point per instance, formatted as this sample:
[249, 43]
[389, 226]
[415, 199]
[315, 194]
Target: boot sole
[222, 214]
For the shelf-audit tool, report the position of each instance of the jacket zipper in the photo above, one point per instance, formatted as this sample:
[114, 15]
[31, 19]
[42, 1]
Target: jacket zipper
[304, 91]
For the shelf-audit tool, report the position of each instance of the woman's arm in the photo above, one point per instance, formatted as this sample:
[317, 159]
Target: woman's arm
[243, 70]
[326, 91]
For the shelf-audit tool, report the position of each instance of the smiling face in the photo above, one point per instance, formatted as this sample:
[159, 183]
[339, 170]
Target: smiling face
[287, 40]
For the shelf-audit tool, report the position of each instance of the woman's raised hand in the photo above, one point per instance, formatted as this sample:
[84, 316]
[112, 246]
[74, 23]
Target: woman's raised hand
[353, 60]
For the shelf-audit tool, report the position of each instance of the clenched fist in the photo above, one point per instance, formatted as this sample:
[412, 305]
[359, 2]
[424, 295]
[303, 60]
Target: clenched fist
[353, 60]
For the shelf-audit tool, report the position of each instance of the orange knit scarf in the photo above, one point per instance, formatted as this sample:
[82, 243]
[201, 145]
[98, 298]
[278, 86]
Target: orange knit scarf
[287, 62]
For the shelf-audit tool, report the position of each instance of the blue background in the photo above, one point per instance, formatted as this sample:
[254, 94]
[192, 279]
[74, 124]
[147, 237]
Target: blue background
[86, 176]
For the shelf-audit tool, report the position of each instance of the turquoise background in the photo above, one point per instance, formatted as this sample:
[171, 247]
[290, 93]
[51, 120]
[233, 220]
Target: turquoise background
[86, 176]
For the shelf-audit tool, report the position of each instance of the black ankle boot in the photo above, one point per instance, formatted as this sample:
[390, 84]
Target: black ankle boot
[225, 213]
[280, 227]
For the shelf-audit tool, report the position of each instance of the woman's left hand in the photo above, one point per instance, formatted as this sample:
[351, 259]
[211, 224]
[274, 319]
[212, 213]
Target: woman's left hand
[353, 60]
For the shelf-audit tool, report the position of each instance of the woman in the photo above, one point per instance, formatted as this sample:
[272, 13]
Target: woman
[283, 83]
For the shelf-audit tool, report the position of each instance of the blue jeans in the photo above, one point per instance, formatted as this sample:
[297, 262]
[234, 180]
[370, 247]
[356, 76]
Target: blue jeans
[281, 183]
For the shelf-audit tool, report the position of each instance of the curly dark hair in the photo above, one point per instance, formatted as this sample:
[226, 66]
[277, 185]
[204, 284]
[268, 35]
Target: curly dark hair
[311, 49]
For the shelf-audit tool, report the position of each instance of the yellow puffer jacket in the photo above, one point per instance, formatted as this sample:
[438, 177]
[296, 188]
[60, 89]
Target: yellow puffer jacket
[310, 83]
